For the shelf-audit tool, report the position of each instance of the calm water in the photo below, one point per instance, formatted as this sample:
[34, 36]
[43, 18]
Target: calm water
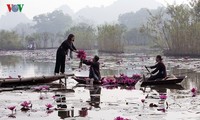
[97, 102]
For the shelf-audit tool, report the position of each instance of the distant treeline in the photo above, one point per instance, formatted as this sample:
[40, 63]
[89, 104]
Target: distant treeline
[52, 28]
[174, 29]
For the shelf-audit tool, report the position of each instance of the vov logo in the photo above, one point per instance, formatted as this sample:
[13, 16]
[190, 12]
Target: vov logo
[15, 7]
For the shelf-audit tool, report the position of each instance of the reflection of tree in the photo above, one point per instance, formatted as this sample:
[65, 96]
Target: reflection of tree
[44, 68]
[9, 60]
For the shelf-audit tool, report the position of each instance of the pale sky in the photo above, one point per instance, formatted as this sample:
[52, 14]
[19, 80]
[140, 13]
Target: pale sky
[35, 7]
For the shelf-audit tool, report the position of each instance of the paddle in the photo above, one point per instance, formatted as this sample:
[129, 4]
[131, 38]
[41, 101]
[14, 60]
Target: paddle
[139, 83]
[80, 64]
[147, 69]
[144, 78]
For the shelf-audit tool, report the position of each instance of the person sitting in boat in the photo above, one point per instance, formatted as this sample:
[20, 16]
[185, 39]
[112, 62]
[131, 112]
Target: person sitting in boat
[159, 68]
[94, 68]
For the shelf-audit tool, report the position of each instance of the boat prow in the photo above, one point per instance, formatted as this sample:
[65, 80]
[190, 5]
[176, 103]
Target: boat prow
[30, 80]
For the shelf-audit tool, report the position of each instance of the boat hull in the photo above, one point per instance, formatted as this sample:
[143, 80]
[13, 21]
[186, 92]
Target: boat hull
[82, 80]
[30, 80]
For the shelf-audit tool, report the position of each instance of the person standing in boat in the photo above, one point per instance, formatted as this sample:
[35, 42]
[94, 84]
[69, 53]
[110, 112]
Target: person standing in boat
[159, 68]
[94, 72]
[62, 52]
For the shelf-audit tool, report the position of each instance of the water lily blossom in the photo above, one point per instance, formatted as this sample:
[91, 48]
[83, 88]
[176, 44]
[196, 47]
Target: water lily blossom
[136, 76]
[163, 96]
[81, 54]
[41, 88]
[49, 106]
[194, 92]
[120, 118]
[26, 105]
[12, 108]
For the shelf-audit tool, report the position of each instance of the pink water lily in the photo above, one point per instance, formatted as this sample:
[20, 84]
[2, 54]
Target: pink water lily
[11, 108]
[49, 106]
[163, 96]
[109, 80]
[136, 76]
[194, 92]
[41, 88]
[120, 118]
[126, 80]
[81, 54]
[26, 104]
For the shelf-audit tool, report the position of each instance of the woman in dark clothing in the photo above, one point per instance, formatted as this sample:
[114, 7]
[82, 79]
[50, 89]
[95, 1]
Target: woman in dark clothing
[62, 52]
[160, 68]
[94, 68]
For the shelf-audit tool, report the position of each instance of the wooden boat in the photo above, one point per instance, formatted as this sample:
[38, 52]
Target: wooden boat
[176, 80]
[30, 80]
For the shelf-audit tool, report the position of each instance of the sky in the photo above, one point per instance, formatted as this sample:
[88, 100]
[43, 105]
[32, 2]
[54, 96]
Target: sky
[35, 7]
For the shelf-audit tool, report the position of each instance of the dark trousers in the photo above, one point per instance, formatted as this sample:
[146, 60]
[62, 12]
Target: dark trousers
[60, 61]
[154, 77]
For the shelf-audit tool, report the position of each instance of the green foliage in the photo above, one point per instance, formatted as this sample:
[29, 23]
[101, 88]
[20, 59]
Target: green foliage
[179, 33]
[10, 40]
[85, 37]
[53, 22]
[136, 37]
[110, 38]
[45, 39]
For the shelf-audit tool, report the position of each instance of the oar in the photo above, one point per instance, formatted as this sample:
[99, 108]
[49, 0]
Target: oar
[139, 83]
[80, 64]
[147, 69]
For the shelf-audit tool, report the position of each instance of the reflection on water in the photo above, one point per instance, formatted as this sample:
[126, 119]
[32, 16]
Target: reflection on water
[95, 93]
[9, 60]
[93, 102]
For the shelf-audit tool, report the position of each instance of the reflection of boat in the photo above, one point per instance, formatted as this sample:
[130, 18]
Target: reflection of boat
[30, 80]
[178, 79]
[173, 86]
[168, 81]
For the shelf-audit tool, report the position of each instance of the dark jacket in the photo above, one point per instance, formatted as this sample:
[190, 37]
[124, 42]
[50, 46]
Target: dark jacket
[160, 68]
[94, 69]
[65, 46]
